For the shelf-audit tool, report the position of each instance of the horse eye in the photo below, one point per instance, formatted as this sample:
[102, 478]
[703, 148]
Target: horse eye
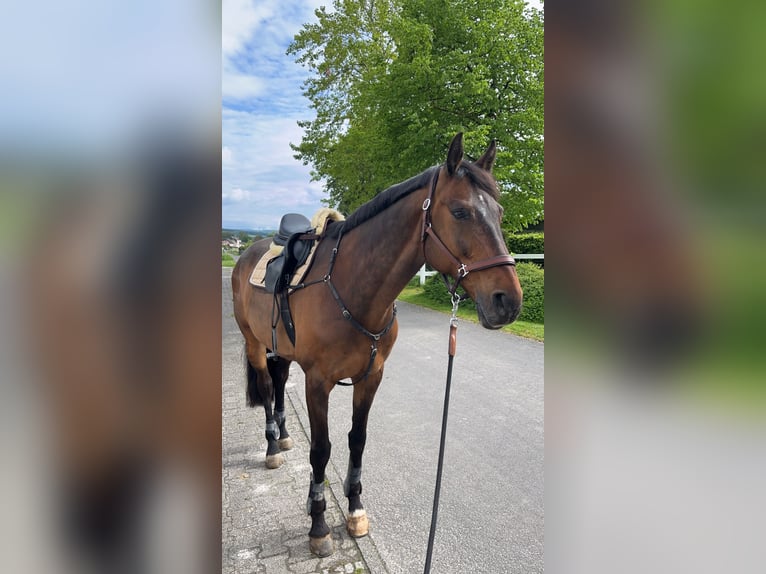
[460, 213]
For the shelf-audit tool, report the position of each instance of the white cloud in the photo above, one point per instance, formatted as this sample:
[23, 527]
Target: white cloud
[255, 37]
[262, 105]
[236, 195]
[260, 139]
[265, 206]
[241, 86]
[266, 180]
[226, 157]
[239, 20]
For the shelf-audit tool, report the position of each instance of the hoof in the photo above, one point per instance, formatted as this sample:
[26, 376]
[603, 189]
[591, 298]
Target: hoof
[357, 524]
[321, 546]
[274, 461]
[285, 443]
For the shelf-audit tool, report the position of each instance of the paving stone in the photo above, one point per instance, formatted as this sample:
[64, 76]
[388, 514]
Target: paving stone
[264, 523]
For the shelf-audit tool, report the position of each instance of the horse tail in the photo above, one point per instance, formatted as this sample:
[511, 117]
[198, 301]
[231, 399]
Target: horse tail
[254, 398]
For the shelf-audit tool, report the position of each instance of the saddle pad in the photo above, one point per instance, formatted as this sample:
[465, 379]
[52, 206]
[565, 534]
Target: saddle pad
[319, 222]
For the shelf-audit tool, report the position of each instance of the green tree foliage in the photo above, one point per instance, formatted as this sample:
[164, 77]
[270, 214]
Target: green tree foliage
[393, 81]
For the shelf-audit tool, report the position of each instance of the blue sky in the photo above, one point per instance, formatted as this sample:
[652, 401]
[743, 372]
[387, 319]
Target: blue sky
[262, 103]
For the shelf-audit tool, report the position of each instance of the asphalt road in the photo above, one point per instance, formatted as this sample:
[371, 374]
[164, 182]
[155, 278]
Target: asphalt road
[491, 511]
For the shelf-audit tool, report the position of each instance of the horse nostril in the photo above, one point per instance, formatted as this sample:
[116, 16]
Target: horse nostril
[501, 302]
[504, 306]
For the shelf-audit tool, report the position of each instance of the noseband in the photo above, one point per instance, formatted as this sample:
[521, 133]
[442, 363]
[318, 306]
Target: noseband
[462, 269]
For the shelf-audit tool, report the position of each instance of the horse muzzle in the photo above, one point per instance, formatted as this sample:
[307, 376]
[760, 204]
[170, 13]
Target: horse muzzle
[498, 309]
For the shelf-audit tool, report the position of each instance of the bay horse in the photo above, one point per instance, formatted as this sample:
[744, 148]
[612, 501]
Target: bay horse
[345, 317]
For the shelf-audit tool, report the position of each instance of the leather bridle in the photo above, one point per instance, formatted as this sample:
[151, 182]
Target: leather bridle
[462, 269]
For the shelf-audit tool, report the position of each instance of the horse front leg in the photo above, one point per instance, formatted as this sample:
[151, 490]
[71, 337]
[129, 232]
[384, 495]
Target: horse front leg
[317, 397]
[364, 393]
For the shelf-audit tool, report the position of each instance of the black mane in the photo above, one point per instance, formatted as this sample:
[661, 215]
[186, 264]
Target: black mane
[382, 201]
[479, 178]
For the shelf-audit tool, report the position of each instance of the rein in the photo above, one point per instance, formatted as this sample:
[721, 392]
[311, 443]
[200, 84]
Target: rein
[462, 271]
[443, 438]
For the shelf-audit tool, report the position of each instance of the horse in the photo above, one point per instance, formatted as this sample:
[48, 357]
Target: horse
[345, 313]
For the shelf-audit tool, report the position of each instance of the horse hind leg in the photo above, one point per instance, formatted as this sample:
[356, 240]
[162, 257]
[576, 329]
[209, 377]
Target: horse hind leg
[253, 395]
[260, 390]
[279, 370]
[357, 523]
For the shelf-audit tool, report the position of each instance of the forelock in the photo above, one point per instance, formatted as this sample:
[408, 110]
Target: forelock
[479, 178]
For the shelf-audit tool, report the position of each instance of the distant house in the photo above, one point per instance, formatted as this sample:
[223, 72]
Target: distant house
[234, 243]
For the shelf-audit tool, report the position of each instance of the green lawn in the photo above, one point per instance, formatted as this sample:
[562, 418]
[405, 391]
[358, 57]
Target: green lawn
[415, 295]
[227, 260]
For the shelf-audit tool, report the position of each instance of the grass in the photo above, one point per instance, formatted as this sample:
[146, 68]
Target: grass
[415, 295]
[227, 260]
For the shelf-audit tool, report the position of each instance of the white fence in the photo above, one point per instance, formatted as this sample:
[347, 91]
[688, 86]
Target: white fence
[424, 274]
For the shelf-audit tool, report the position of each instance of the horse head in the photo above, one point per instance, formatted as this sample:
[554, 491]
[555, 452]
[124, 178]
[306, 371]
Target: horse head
[464, 218]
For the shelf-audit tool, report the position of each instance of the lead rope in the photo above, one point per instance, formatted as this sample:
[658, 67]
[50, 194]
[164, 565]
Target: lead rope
[439, 466]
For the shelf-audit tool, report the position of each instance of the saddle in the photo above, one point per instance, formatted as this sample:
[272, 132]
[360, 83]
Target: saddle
[297, 237]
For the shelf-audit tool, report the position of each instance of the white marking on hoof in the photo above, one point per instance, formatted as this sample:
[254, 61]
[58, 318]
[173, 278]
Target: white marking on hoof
[321, 546]
[285, 443]
[274, 461]
[357, 523]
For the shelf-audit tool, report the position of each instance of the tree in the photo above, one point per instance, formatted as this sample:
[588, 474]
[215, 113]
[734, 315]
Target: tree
[393, 81]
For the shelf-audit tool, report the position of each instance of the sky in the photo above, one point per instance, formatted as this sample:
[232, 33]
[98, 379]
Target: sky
[262, 103]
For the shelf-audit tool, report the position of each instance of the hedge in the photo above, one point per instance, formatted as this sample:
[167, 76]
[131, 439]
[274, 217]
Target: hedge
[531, 277]
[532, 242]
[436, 291]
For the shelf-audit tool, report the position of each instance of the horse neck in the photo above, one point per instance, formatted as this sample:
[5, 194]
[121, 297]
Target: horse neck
[380, 256]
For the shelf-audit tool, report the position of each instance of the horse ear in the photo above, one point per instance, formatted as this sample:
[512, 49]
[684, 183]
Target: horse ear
[455, 153]
[487, 160]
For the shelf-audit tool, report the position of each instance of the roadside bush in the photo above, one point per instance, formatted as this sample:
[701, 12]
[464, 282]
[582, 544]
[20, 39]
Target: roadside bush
[532, 280]
[531, 277]
[533, 242]
[436, 291]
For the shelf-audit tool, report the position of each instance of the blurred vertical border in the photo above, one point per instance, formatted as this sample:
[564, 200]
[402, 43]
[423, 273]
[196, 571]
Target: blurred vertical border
[110, 185]
[655, 370]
